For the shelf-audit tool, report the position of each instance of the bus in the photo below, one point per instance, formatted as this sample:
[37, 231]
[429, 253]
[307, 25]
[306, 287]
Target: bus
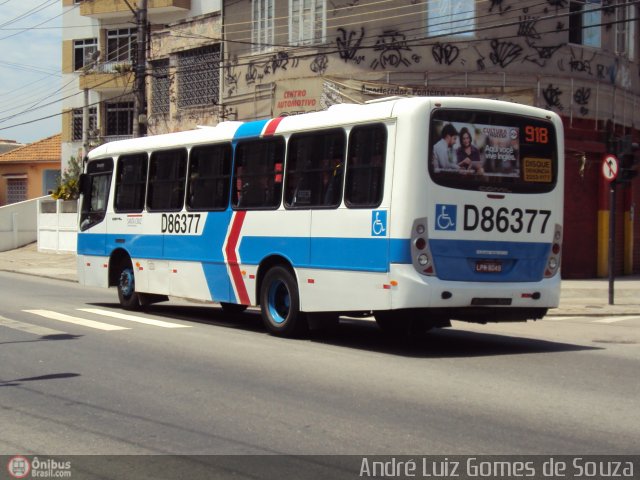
[414, 211]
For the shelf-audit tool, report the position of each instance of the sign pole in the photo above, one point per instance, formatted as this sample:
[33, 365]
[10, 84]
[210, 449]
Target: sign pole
[609, 171]
[612, 238]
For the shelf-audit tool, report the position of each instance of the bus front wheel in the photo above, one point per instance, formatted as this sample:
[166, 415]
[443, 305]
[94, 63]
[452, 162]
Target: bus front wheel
[280, 304]
[127, 295]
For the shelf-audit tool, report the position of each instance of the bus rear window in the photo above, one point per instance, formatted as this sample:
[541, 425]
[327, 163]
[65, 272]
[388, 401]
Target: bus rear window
[487, 151]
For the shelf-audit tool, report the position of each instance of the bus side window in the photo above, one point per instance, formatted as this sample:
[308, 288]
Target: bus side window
[167, 172]
[257, 180]
[131, 181]
[209, 177]
[315, 169]
[365, 166]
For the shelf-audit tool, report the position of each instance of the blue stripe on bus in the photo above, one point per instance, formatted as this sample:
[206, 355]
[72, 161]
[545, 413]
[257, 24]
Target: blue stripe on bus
[521, 261]
[363, 254]
[250, 129]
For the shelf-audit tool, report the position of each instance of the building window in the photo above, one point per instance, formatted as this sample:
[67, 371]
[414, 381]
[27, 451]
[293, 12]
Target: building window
[199, 76]
[119, 119]
[49, 181]
[16, 189]
[77, 122]
[160, 86]
[585, 21]
[306, 21]
[83, 51]
[262, 28]
[626, 19]
[121, 45]
[451, 17]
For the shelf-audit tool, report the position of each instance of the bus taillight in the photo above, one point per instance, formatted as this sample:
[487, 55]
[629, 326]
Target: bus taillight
[553, 262]
[420, 252]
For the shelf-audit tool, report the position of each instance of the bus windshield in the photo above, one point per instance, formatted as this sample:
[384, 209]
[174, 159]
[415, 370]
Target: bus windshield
[488, 151]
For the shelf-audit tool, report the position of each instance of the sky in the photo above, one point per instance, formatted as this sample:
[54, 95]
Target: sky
[30, 69]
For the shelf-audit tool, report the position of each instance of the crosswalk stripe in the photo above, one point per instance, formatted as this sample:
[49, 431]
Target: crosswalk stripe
[615, 319]
[558, 318]
[133, 318]
[28, 327]
[75, 320]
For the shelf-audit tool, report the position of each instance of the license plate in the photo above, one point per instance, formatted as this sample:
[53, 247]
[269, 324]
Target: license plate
[488, 266]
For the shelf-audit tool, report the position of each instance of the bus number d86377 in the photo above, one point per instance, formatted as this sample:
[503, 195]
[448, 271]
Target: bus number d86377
[503, 220]
[180, 223]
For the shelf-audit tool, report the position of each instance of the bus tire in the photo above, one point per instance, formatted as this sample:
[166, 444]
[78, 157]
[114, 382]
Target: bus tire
[127, 295]
[280, 304]
[233, 308]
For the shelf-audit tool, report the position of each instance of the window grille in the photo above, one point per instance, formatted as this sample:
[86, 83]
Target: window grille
[77, 122]
[160, 87]
[119, 118]
[199, 76]
[16, 190]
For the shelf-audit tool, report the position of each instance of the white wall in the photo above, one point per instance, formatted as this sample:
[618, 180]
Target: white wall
[18, 224]
[57, 225]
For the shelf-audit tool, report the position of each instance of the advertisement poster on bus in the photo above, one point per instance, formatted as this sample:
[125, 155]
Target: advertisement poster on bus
[476, 149]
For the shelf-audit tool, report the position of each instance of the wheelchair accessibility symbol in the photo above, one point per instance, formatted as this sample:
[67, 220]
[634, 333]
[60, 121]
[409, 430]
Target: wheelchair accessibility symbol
[446, 217]
[379, 223]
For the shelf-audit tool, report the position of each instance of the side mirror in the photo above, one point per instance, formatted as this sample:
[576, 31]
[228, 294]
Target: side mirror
[85, 184]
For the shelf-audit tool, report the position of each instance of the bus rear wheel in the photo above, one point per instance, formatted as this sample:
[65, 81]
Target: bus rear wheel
[127, 295]
[280, 304]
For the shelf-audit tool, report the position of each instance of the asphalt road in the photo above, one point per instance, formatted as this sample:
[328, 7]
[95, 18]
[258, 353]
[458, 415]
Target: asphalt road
[219, 384]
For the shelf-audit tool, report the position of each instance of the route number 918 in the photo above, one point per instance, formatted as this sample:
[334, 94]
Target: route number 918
[180, 222]
[503, 220]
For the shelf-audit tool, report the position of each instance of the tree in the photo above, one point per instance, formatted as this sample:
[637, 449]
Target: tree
[68, 187]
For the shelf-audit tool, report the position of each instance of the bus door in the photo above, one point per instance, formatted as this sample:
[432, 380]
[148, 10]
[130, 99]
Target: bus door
[95, 185]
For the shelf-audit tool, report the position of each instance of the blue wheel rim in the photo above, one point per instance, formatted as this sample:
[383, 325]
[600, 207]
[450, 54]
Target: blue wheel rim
[127, 282]
[279, 301]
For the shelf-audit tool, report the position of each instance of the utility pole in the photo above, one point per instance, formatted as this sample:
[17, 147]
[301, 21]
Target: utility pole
[140, 100]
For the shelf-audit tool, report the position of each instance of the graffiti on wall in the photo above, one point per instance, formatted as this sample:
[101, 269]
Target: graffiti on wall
[393, 51]
[531, 39]
[348, 44]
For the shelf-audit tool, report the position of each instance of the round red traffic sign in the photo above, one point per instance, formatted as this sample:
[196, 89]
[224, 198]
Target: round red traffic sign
[610, 167]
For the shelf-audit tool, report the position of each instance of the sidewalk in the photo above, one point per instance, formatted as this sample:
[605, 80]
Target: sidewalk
[578, 297]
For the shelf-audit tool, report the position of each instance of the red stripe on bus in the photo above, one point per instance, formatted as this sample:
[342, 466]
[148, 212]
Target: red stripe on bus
[272, 126]
[232, 260]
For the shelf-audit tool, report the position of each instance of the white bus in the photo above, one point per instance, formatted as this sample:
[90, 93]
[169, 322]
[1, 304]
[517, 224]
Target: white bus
[413, 210]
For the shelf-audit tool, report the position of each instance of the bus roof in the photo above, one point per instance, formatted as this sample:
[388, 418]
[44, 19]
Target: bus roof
[339, 114]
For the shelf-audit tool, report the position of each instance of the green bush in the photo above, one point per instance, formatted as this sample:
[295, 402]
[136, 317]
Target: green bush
[68, 187]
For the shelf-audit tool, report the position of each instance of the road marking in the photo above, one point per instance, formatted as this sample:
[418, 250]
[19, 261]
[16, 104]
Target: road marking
[616, 319]
[28, 327]
[559, 318]
[75, 320]
[133, 318]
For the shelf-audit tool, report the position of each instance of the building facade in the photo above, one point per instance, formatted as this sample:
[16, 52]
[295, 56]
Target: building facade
[29, 171]
[99, 54]
[250, 59]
